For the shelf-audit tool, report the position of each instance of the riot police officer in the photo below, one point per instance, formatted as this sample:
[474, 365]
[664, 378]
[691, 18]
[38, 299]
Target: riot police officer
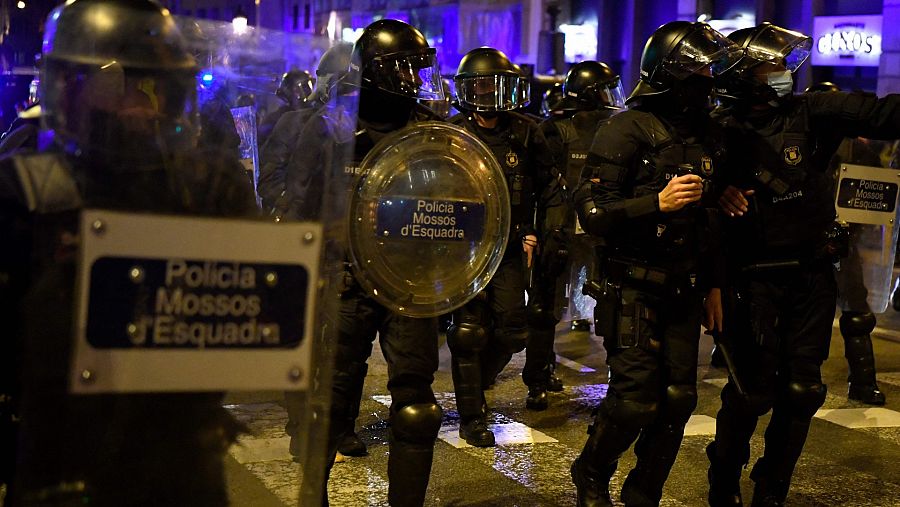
[294, 90]
[639, 194]
[552, 103]
[118, 101]
[396, 67]
[779, 193]
[594, 91]
[275, 153]
[857, 320]
[489, 329]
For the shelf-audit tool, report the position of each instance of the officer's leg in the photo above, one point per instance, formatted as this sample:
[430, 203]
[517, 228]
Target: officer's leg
[350, 444]
[466, 339]
[807, 333]
[856, 328]
[542, 328]
[357, 327]
[631, 403]
[293, 405]
[410, 349]
[755, 342]
[659, 443]
[506, 297]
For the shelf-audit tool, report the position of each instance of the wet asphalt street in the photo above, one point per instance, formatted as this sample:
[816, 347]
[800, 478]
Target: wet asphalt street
[852, 456]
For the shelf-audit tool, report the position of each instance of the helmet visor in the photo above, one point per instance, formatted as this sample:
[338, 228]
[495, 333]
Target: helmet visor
[703, 48]
[415, 75]
[776, 44]
[497, 92]
[613, 95]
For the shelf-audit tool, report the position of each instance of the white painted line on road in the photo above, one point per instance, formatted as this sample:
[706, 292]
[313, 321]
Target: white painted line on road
[255, 450]
[574, 365]
[700, 424]
[718, 382]
[505, 434]
[860, 417]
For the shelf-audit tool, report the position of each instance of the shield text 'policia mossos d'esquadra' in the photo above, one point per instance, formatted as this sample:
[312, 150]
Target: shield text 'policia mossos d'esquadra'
[429, 219]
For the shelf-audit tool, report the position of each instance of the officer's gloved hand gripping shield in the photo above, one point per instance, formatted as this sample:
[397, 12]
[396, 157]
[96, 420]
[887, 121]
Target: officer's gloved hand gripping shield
[156, 291]
[429, 219]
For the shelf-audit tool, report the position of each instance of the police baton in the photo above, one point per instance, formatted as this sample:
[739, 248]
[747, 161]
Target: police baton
[724, 347]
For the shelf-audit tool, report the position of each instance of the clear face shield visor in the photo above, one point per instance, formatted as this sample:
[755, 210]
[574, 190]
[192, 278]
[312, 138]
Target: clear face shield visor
[611, 95]
[496, 92]
[701, 49]
[101, 106]
[417, 75]
[776, 45]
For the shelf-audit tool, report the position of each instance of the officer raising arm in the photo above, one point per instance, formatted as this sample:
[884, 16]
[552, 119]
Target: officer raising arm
[639, 193]
[780, 195]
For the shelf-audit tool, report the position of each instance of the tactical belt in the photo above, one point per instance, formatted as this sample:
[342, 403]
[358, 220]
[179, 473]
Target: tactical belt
[628, 270]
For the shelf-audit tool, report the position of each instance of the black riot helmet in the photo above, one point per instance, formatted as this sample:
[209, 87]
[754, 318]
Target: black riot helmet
[593, 85]
[332, 68]
[393, 57]
[295, 87]
[767, 52]
[824, 86]
[678, 50]
[117, 78]
[552, 97]
[487, 80]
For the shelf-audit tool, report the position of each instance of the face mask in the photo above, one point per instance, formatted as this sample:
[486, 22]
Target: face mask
[781, 82]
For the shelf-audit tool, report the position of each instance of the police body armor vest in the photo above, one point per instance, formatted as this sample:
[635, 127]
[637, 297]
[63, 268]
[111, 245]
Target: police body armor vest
[794, 202]
[676, 239]
[510, 146]
[577, 135]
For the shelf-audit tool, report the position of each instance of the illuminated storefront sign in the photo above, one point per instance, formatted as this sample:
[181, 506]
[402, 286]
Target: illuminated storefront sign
[581, 42]
[847, 41]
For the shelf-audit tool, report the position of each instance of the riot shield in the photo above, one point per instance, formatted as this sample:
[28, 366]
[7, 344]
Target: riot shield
[162, 320]
[429, 219]
[866, 200]
[245, 124]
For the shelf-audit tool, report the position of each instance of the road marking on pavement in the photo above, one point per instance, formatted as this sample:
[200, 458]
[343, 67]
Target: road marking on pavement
[254, 450]
[718, 382]
[568, 363]
[506, 431]
[514, 433]
[700, 424]
[861, 417]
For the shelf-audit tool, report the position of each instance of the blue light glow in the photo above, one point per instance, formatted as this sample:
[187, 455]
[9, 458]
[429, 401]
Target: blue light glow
[207, 77]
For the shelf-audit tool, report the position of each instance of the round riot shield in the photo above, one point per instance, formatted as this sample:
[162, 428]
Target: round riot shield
[429, 219]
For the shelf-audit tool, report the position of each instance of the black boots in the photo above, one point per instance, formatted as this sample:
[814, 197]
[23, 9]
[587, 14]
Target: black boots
[592, 486]
[856, 328]
[476, 433]
[537, 398]
[724, 481]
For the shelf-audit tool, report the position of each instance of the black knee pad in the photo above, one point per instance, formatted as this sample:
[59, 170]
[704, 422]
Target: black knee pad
[418, 423]
[540, 316]
[681, 400]
[511, 340]
[467, 337]
[806, 397]
[857, 323]
[752, 404]
[628, 412]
